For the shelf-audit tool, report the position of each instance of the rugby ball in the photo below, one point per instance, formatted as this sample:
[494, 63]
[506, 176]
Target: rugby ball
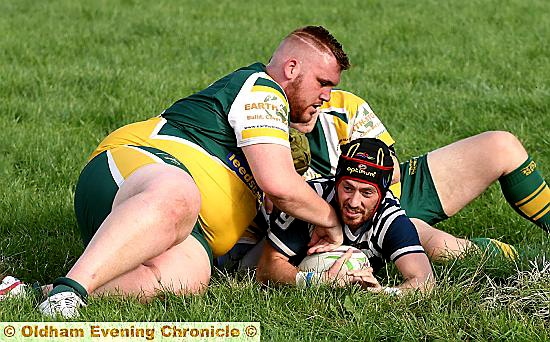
[320, 262]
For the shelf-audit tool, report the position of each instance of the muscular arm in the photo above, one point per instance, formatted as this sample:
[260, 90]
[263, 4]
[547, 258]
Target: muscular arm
[417, 272]
[275, 267]
[274, 173]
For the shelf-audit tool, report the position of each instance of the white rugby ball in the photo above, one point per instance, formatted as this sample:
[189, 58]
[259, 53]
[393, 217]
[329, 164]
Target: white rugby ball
[320, 262]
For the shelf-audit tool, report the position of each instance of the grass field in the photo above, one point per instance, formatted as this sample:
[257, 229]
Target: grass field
[434, 72]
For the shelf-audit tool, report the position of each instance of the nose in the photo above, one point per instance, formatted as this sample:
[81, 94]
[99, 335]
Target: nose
[325, 94]
[355, 200]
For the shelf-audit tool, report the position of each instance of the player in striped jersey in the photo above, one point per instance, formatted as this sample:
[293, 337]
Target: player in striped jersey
[159, 198]
[374, 223]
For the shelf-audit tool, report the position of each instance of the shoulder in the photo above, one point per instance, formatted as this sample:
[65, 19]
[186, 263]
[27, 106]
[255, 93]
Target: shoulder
[325, 187]
[342, 99]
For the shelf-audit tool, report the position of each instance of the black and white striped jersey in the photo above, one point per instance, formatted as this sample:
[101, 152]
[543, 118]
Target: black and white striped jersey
[387, 236]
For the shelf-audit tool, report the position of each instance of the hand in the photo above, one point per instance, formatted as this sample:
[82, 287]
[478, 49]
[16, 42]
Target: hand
[268, 205]
[335, 274]
[365, 278]
[325, 239]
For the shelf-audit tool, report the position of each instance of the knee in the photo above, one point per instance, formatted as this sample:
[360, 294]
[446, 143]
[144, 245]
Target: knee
[502, 139]
[177, 209]
[506, 147]
[181, 212]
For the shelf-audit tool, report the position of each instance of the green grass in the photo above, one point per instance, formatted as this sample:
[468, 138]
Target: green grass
[434, 71]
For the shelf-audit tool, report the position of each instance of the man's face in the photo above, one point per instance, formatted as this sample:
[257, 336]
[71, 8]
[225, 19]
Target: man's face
[306, 127]
[311, 88]
[356, 201]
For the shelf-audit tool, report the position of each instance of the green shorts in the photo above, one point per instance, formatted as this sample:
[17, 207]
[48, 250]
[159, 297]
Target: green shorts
[98, 184]
[419, 197]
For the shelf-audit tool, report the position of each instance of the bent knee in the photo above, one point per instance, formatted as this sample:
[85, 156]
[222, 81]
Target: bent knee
[502, 141]
[506, 148]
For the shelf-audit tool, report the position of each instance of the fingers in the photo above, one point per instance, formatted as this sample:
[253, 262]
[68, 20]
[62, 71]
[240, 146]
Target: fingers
[337, 266]
[268, 205]
[321, 248]
[327, 235]
[365, 278]
[315, 239]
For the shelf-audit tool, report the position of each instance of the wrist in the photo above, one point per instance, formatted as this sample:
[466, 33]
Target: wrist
[307, 279]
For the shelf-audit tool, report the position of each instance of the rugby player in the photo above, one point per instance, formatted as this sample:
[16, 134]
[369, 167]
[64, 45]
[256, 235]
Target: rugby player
[373, 222]
[160, 198]
[429, 189]
[426, 185]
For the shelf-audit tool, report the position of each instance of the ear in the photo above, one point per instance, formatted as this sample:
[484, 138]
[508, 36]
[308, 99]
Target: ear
[292, 68]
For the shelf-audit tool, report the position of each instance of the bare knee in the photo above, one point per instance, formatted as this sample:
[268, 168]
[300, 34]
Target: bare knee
[504, 148]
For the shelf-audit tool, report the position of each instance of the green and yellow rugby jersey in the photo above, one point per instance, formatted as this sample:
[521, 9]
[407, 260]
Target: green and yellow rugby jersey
[205, 132]
[344, 118]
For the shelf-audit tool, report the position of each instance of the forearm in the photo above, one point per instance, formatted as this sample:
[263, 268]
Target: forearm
[417, 272]
[274, 173]
[275, 269]
[302, 202]
[422, 284]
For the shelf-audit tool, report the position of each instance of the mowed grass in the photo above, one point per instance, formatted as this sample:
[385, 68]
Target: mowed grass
[434, 72]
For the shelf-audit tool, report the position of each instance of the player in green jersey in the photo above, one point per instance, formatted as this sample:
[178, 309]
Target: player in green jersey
[435, 186]
[148, 201]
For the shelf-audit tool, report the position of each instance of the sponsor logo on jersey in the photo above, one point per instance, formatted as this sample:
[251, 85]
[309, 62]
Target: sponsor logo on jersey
[240, 166]
[413, 163]
[272, 111]
[260, 105]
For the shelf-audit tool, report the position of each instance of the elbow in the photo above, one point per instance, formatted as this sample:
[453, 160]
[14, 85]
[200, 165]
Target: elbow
[261, 274]
[428, 282]
[281, 189]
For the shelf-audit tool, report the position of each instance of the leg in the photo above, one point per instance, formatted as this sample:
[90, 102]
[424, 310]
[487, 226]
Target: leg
[439, 245]
[463, 170]
[184, 268]
[167, 202]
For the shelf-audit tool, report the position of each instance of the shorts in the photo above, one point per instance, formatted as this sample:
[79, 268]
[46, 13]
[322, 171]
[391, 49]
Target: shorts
[419, 197]
[100, 180]
[230, 197]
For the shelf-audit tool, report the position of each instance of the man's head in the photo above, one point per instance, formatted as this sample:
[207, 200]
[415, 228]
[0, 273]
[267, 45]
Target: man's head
[307, 64]
[363, 176]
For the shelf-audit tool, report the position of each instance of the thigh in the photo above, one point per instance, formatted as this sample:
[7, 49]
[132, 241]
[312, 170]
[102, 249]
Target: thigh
[97, 189]
[461, 171]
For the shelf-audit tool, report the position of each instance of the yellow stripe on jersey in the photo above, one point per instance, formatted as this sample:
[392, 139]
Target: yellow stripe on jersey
[535, 202]
[386, 138]
[274, 91]
[264, 132]
[341, 129]
[343, 99]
